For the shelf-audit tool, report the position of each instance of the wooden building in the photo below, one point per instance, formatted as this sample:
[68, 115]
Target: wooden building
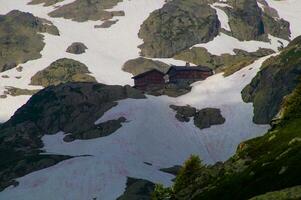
[152, 78]
[183, 75]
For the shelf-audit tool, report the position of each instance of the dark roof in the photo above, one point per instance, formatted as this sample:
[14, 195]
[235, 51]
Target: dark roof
[190, 68]
[147, 72]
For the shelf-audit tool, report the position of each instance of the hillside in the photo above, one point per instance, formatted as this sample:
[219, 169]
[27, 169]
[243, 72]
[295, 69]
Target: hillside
[72, 126]
[265, 164]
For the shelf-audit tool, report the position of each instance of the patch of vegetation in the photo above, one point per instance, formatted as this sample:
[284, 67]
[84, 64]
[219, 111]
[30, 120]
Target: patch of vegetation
[285, 194]
[44, 2]
[237, 66]
[77, 48]
[20, 38]
[62, 71]
[141, 65]
[177, 26]
[225, 62]
[265, 164]
[278, 77]
[84, 10]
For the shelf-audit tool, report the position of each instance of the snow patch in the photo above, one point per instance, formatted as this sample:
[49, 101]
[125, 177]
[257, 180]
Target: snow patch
[226, 44]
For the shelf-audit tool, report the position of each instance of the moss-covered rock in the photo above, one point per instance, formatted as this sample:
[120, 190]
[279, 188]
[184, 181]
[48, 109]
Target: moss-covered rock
[20, 40]
[225, 62]
[54, 109]
[285, 194]
[177, 26]
[137, 189]
[44, 2]
[62, 71]
[140, 65]
[84, 10]
[277, 78]
[77, 48]
[13, 91]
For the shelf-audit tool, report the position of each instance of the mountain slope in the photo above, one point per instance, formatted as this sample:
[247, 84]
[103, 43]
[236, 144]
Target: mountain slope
[277, 78]
[264, 164]
[90, 140]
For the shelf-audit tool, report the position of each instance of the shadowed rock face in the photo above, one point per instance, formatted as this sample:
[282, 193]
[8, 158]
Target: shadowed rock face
[177, 26]
[62, 71]
[20, 40]
[77, 48]
[248, 22]
[56, 108]
[84, 10]
[278, 77]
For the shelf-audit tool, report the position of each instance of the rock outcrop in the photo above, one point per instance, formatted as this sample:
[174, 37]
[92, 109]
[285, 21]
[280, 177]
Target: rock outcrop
[77, 48]
[208, 117]
[53, 109]
[203, 118]
[62, 71]
[177, 26]
[20, 39]
[13, 91]
[140, 65]
[44, 2]
[248, 22]
[277, 78]
[225, 62]
[84, 10]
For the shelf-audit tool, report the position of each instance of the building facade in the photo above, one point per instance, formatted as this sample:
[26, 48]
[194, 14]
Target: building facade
[183, 75]
[152, 78]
